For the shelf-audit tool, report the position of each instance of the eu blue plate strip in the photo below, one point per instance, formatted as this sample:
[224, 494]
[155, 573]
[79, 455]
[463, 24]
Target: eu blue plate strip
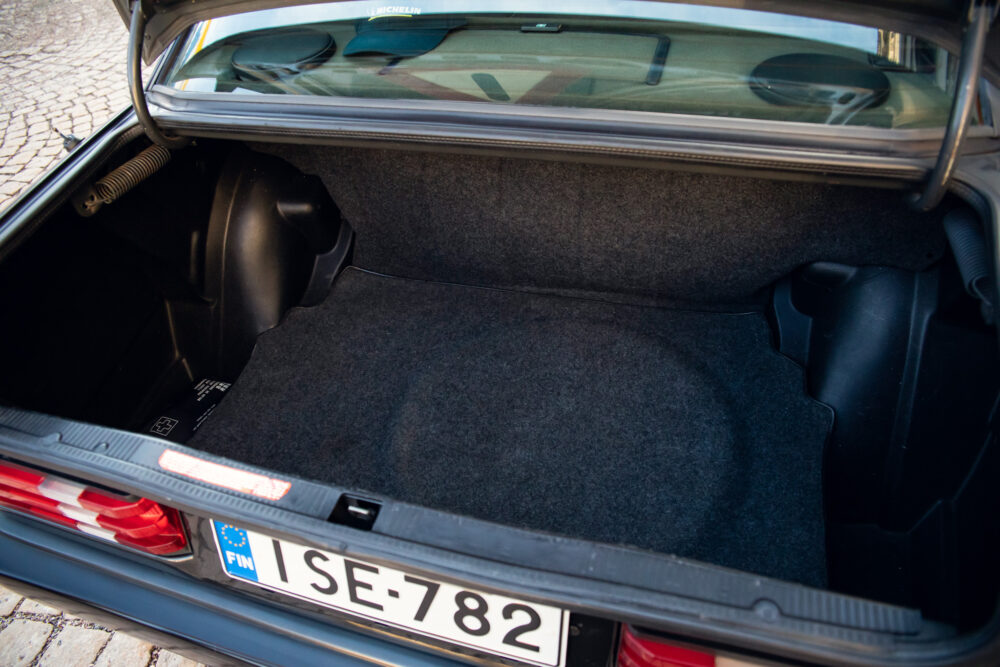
[235, 548]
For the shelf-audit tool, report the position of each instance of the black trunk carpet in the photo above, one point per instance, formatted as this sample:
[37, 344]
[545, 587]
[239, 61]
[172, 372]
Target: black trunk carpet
[678, 431]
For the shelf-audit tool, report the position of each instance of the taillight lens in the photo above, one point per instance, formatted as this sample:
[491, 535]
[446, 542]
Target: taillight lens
[635, 651]
[139, 523]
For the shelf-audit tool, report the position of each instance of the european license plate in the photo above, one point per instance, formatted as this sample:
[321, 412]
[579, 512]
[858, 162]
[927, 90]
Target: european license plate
[496, 624]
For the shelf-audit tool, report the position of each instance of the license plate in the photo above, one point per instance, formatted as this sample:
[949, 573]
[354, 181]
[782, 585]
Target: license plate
[496, 624]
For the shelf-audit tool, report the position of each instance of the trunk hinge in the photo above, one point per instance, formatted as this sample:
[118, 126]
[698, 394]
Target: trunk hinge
[136, 32]
[981, 14]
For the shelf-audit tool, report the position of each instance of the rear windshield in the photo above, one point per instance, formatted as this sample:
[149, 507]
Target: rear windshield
[644, 56]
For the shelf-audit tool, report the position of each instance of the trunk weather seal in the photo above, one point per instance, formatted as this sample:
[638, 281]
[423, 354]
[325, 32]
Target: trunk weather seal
[906, 155]
[211, 126]
[924, 142]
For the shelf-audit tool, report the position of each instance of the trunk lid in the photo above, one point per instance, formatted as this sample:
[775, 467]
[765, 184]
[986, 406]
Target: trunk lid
[939, 20]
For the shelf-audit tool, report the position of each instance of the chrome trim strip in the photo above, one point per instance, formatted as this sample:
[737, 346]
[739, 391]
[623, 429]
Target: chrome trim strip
[637, 123]
[718, 153]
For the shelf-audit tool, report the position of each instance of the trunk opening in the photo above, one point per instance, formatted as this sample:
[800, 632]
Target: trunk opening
[781, 377]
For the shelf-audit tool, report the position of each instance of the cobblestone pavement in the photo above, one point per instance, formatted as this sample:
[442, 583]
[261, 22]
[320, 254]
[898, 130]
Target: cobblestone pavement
[62, 69]
[33, 634]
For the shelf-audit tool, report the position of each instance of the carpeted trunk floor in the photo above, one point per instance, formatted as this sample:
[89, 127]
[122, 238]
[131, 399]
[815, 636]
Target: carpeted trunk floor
[677, 431]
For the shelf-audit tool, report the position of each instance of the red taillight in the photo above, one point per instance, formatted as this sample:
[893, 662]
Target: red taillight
[139, 523]
[635, 651]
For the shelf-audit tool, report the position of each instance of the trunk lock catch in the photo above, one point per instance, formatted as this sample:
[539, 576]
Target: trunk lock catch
[355, 512]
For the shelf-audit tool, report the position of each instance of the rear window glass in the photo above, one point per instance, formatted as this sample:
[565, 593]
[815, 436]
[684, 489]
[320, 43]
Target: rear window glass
[637, 56]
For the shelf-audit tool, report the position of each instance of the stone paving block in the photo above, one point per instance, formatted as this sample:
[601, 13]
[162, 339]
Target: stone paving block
[8, 601]
[29, 173]
[21, 641]
[63, 66]
[168, 659]
[124, 651]
[20, 158]
[34, 607]
[74, 646]
[34, 142]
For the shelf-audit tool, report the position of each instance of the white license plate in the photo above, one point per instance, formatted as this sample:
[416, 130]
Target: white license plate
[492, 623]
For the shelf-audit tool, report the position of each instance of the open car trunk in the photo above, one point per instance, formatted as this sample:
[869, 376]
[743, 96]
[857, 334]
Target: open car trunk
[786, 377]
[672, 430]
